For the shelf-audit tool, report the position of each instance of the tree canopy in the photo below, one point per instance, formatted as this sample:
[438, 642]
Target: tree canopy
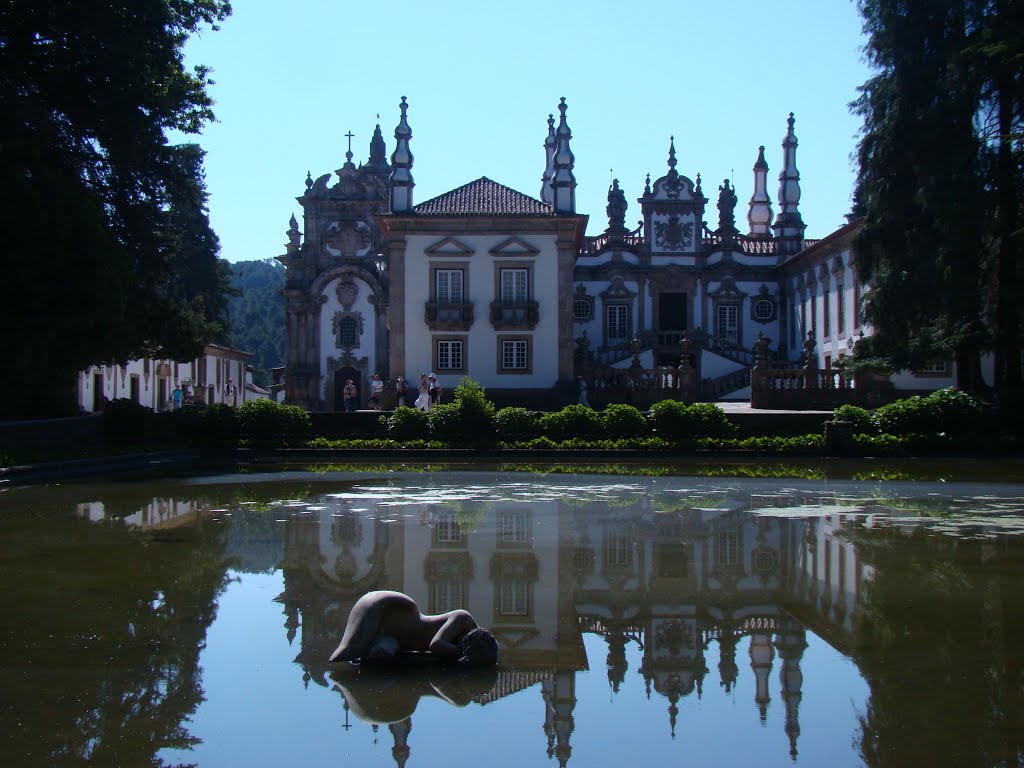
[940, 184]
[109, 252]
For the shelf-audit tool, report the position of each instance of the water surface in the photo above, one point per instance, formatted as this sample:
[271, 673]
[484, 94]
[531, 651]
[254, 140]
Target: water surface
[653, 621]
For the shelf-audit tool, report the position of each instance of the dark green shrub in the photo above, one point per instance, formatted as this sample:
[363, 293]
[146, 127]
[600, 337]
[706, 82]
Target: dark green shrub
[572, 421]
[216, 424]
[517, 424]
[675, 420]
[469, 417]
[126, 422]
[621, 420]
[407, 423]
[861, 421]
[668, 418]
[946, 410]
[267, 423]
[708, 420]
[539, 443]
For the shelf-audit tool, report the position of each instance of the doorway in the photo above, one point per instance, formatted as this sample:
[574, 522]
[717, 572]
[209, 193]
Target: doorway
[97, 392]
[672, 312]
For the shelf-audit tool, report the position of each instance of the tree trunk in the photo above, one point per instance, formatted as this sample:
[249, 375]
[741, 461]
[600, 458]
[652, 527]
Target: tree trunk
[1008, 373]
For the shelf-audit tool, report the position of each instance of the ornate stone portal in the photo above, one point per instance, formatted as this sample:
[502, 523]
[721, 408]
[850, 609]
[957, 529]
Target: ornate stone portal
[341, 244]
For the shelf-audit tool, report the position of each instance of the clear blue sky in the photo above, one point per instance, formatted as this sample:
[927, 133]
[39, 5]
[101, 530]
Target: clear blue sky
[481, 78]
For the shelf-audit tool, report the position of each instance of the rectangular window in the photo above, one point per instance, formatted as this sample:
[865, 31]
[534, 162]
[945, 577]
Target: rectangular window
[858, 292]
[515, 355]
[727, 550]
[935, 369]
[618, 550]
[448, 595]
[841, 309]
[826, 311]
[618, 323]
[728, 323]
[514, 598]
[515, 286]
[446, 529]
[449, 356]
[513, 528]
[448, 286]
[803, 324]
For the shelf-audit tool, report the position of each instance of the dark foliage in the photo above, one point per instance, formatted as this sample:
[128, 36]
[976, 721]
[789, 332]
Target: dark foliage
[108, 251]
[266, 423]
[257, 314]
[515, 423]
[572, 421]
[470, 415]
[941, 185]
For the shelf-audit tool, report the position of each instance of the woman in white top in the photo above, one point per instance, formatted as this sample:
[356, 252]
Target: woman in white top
[376, 390]
[423, 400]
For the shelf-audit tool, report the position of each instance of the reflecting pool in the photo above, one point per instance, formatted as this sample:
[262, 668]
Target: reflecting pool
[642, 621]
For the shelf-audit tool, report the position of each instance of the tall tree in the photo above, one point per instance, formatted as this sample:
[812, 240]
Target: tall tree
[940, 183]
[920, 187]
[99, 209]
[999, 51]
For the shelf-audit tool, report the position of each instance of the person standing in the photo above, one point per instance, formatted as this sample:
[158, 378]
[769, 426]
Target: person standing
[376, 392]
[230, 393]
[434, 390]
[176, 396]
[349, 395]
[400, 389]
[423, 398]
[583, 391]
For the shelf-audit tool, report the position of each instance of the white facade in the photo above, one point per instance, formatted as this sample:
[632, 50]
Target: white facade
[151, 381]
[514, 353]
[487, 282]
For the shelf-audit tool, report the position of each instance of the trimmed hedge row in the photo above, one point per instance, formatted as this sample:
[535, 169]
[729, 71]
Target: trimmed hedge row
[471, 418]
[945, 411]
[944, 421]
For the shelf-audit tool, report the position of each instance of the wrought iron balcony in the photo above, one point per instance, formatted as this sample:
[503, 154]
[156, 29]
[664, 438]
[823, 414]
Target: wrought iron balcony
[444, 316]
[519, 315]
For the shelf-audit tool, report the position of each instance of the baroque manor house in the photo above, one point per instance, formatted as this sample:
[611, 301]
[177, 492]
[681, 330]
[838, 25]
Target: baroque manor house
[487, 282]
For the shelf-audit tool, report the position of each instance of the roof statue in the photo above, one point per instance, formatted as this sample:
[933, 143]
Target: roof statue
[616, 210]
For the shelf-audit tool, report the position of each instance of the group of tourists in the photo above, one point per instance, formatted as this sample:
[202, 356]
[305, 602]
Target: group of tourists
[428, 393]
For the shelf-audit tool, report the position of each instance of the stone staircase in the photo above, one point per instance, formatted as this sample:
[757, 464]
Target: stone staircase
[713, 389]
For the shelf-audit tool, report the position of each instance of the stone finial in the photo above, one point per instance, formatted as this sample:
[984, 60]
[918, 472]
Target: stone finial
[293, 234]
[759, 215]
[401, 165]
[789, 224]
[378, 152]
[563, 182]
[547, 194]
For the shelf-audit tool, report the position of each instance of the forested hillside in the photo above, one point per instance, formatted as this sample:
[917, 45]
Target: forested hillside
[257, 313]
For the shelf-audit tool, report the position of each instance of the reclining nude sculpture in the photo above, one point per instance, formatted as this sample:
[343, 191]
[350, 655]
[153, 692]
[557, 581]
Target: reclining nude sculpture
[384, 624]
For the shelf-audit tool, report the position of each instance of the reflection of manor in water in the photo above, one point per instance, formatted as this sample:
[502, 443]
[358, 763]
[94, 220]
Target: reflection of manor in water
[154, 513]
[675, 574]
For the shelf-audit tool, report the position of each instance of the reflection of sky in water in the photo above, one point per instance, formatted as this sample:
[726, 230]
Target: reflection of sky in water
[289, 724]
[587, 565]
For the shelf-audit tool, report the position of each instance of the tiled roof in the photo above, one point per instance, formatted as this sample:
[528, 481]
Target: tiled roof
[483, 197]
